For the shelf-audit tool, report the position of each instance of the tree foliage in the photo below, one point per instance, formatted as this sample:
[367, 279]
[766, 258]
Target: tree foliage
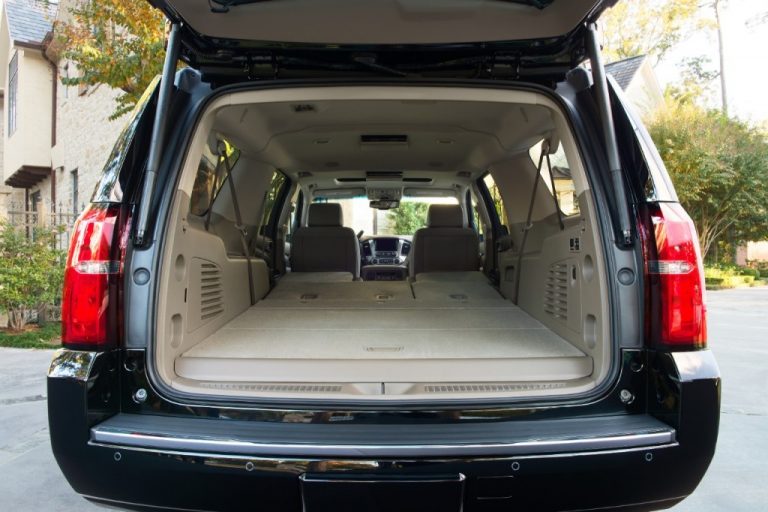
[720, 169]
[31, 274]
[119, 43]
[409, 217]
[646, 27]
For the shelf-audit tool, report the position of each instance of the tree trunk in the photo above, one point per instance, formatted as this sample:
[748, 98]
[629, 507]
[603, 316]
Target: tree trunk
[17, 319]
[721, 51]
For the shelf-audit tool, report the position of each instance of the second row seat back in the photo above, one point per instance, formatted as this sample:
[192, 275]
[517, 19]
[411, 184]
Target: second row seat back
[446, 244]
[325, 245]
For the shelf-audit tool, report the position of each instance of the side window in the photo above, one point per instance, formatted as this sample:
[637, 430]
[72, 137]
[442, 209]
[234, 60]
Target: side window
[498, 202]
[211, 172]
[565, 190]
[271, 198]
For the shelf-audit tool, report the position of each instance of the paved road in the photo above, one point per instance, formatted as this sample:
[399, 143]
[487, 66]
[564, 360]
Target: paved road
[738, 321]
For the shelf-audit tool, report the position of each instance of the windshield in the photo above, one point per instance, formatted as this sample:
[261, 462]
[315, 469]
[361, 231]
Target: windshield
[410, 216]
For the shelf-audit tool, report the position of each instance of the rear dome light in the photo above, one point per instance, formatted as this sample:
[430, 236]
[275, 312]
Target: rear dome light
[92, 280]
[675, 279]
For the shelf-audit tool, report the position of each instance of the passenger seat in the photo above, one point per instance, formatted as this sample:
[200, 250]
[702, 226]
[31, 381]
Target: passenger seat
[446, 244]
[325, 245]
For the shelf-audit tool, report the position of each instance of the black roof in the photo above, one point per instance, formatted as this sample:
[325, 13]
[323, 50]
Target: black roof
[624, 71]
[30, 20]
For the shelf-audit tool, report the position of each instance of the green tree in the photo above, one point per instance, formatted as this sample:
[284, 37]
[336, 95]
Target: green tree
[119, 43]
[646, 27]
[719, 166]
[409, 217]
[31, 274]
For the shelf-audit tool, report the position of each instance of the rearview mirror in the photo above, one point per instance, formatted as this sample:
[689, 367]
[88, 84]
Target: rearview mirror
[384, 204]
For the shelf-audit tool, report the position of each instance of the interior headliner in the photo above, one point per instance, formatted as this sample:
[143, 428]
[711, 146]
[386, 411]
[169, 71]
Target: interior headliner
[436, 139]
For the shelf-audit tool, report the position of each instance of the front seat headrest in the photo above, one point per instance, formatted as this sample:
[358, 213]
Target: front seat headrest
[445, 216]
[324, 215]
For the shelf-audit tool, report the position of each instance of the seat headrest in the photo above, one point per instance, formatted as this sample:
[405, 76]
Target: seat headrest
[445, 216]
[324, 215]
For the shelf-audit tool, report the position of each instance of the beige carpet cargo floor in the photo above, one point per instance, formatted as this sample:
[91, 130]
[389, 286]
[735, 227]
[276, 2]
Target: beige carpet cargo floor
[353, 332]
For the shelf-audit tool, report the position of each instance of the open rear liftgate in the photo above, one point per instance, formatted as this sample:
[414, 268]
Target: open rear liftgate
[339, 492]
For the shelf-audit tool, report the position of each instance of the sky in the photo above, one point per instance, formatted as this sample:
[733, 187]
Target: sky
[746, 54]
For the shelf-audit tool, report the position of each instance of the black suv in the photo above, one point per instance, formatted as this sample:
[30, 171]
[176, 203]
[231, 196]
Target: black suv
[384, 255]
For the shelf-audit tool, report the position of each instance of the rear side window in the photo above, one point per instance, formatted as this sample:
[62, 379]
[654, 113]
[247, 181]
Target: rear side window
[271, 199]
[211, 173]
[564, 188]
[498, 202]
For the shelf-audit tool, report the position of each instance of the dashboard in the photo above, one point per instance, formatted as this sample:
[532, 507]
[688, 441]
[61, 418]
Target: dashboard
[384, 250]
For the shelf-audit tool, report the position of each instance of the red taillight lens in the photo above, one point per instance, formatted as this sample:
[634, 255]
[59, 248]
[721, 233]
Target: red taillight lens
[91, 279]
[674, 278]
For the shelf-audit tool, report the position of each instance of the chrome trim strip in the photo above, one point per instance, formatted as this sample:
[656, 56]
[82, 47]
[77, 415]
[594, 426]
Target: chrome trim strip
[460, 477]
[72, 364]
[117, 437]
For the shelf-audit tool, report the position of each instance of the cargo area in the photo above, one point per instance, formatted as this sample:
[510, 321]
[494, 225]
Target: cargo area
[384, 338]
[279, 280]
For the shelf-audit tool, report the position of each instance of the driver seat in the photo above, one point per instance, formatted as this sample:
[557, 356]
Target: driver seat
[325, 245]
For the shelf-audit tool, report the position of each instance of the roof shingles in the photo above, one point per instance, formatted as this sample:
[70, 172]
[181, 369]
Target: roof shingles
[30, 20]
[623, 71]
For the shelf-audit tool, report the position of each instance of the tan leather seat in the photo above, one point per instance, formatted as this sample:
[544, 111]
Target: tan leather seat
[446, 244]
[325, 245]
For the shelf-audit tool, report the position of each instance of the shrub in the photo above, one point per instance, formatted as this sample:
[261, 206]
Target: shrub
[31, 274]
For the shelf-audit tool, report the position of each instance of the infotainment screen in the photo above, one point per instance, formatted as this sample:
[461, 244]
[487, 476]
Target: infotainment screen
[386, 244]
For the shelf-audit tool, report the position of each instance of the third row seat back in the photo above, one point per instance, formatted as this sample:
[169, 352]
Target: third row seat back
[446, 244]
[325, 245]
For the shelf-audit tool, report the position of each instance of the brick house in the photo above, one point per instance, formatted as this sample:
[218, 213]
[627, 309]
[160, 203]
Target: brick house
[56, 138]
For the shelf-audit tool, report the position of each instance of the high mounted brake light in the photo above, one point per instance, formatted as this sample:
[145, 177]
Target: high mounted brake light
[89, 316]
[675, 309]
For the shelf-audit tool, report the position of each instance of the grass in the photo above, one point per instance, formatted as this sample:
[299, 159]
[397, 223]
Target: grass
[48, 336]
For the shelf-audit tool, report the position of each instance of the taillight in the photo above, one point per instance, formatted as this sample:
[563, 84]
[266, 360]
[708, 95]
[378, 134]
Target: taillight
[89, 317]
[675, 309]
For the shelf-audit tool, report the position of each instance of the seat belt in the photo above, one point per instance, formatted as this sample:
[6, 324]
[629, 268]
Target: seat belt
[238, 219]
[528, 225]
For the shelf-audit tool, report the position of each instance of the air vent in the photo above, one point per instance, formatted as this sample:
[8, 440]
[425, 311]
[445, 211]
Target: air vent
[349, 180]
[384, 175]
[211, 293]
[556, 291]
[491, 388]
[417, 180]
[384, 140]
[274, 388]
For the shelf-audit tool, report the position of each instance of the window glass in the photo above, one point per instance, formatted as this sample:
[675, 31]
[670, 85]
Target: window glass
[498, 202]
[409, 217]
[211, 172]
[271, 197]
[13, 89]
[561, 173]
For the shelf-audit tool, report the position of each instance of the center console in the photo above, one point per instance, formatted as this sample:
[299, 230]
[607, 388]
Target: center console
[384, 273]
[384, 259]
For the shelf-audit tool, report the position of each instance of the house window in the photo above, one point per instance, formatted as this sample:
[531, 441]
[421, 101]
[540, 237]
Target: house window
[75, 198]
[13, 87]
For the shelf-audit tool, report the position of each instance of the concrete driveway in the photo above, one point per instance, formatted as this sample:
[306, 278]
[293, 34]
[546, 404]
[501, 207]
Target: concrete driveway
[738, 331]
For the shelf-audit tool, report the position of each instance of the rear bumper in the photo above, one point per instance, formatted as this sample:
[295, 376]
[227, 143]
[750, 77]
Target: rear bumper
[647, 461]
